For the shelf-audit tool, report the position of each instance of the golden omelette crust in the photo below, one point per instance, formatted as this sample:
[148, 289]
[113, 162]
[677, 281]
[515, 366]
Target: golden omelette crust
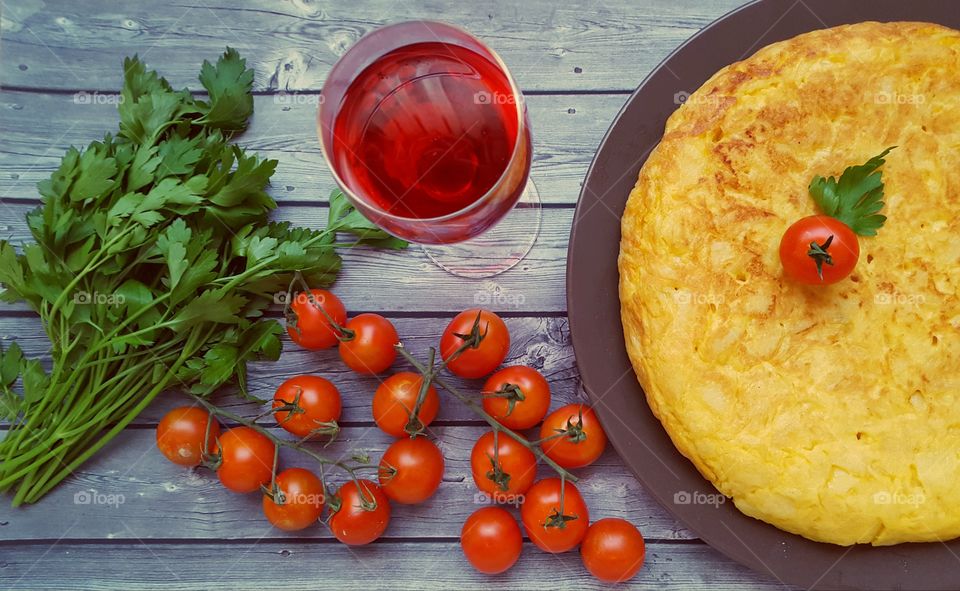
[830, 412]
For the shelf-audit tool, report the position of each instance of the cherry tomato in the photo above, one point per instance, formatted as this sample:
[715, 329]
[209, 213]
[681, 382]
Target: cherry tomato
[528, 407]
[308, 326]
[299, 502]
[823, 238]
[582, 444]
[483, 358]
[395, 399]
[613, 550]
[180, 435]
[319, 400]
[360, 519]
[246, 459]
[491, 540]
[371, 350]
[514, 474]
[541, 516]
[411, 470]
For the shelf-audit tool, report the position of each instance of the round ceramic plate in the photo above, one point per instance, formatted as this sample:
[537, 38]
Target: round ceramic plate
[594, 309]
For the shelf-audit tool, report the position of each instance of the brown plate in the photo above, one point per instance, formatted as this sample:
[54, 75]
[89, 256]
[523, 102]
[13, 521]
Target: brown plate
[594, 309]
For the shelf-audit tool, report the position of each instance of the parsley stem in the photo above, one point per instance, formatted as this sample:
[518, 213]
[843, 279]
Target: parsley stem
[188, 350]
[55, 395]
[50, 444]
[104, 256]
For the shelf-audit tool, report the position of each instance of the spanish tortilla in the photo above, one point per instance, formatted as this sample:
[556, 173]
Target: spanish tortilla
[830, 412]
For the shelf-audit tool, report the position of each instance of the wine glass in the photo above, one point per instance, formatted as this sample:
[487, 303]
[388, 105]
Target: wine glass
[427, 134]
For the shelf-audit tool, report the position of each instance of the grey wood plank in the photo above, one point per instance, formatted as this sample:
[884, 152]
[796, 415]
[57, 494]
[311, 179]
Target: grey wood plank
[38, 128]
[134, 493]
[583, 45]
[542, 343]
[375, 280]
[395, 566]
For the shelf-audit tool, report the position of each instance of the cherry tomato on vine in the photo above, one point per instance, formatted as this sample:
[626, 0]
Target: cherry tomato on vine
[180, 435]
[246, 459]
[551, 528]
[613, 550]
[308, 326]
[411, 470]
[482, 358]
[515, 472]
[370, 349]
[319, 402]
[361, 517]
[582, 443]
[491, 540]
[297, 502]
[518, 397]
[395, 399]
[819, 250]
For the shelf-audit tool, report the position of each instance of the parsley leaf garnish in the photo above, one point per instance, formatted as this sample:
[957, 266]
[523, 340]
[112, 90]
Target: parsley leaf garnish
[856, 198]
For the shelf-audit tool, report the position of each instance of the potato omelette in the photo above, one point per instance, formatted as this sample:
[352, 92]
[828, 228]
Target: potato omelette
[828, 411]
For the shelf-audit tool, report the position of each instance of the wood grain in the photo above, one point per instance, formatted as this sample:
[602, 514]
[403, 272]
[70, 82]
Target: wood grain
[407, 281]
[38, 128]
[294, 566]
[153, 499]
[586, 45]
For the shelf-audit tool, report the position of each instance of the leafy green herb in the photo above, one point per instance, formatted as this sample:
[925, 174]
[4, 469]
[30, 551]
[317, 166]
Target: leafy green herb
[152, 265]
[343, 217]
[856, 198]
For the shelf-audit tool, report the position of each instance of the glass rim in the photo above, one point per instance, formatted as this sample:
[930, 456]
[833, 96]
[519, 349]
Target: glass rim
[519, 103]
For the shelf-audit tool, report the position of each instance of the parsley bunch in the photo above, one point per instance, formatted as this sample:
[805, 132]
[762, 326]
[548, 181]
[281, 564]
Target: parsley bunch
[152, 264]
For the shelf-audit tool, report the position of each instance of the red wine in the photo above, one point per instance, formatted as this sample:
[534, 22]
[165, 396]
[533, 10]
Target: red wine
[426, 130]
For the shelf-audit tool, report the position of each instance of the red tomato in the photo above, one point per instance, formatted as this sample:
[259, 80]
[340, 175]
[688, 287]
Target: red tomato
[319, 400]
[541, 516]
[582, 444]
[411, 470]
[180, 435]
[613, 550]
[360, 519]
[512, 410]
[395, 399]
[491, 540]
[298, 503]
[823, 238]
[515, 473]
[308, 326]
[246, 459]
[481, 359]
[371, 349]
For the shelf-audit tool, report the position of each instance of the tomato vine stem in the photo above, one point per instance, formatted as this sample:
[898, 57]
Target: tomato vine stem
[350, 469]
[478, 410]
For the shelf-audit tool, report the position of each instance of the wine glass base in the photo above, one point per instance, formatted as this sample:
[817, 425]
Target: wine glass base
[498, 249]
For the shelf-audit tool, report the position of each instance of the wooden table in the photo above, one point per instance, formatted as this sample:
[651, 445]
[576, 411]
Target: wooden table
[168, 527]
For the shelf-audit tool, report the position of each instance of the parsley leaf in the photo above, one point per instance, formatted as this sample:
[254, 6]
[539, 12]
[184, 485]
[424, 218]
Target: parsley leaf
[856, 198]
[96, 175]
[229, 84]
[179, 155]
[344, 217]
